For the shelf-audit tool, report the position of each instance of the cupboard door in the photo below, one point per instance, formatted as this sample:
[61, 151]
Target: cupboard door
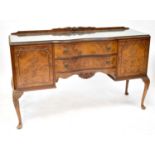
[132, 57]
[33, 66]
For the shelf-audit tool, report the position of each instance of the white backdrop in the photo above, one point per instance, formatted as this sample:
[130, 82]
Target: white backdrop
[81, 116]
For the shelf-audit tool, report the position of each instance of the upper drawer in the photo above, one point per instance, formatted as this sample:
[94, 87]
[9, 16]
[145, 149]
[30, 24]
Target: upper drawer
[67, 50]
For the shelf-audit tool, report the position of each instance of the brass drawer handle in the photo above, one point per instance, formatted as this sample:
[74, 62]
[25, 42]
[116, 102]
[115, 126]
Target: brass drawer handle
[108, 48]
[107, 62]
[65, 49]
[66, 65]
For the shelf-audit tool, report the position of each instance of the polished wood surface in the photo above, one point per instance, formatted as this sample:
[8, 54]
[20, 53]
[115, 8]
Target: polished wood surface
[33, 66]
[68, 50]
[40, 64]
[133, 55]
[85, 63]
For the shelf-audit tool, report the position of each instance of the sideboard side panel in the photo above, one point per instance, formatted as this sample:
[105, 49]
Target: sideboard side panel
[132, 57]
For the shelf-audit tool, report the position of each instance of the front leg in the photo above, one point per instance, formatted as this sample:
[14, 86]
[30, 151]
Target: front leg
[146, 81]
[16, 95]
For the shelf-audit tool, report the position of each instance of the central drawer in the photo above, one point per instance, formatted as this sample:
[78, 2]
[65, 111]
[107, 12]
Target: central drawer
[85, 63]
[84, 48]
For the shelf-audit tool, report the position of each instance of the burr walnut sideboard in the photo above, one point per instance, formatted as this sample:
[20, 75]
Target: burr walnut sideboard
[40, 58]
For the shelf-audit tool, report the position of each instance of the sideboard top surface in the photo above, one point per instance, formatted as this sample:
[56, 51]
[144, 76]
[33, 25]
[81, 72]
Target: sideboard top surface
[72, 34]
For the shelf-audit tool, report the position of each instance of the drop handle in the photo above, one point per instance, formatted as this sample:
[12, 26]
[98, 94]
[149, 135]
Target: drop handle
[108, 48]
[65, 49]
[66, 65]
[107, 62]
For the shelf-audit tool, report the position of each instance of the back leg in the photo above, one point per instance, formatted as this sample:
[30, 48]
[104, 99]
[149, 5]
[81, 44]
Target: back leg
[126, 88]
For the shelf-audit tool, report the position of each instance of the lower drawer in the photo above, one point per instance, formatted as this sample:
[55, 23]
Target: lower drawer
[84, 63]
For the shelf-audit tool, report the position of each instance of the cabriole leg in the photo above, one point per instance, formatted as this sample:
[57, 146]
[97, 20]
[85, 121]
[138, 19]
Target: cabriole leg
[146, 86]
[16, 96]
[126, 87]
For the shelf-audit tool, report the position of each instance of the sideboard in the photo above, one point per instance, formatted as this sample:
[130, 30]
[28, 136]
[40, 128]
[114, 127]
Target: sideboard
[40, 57]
